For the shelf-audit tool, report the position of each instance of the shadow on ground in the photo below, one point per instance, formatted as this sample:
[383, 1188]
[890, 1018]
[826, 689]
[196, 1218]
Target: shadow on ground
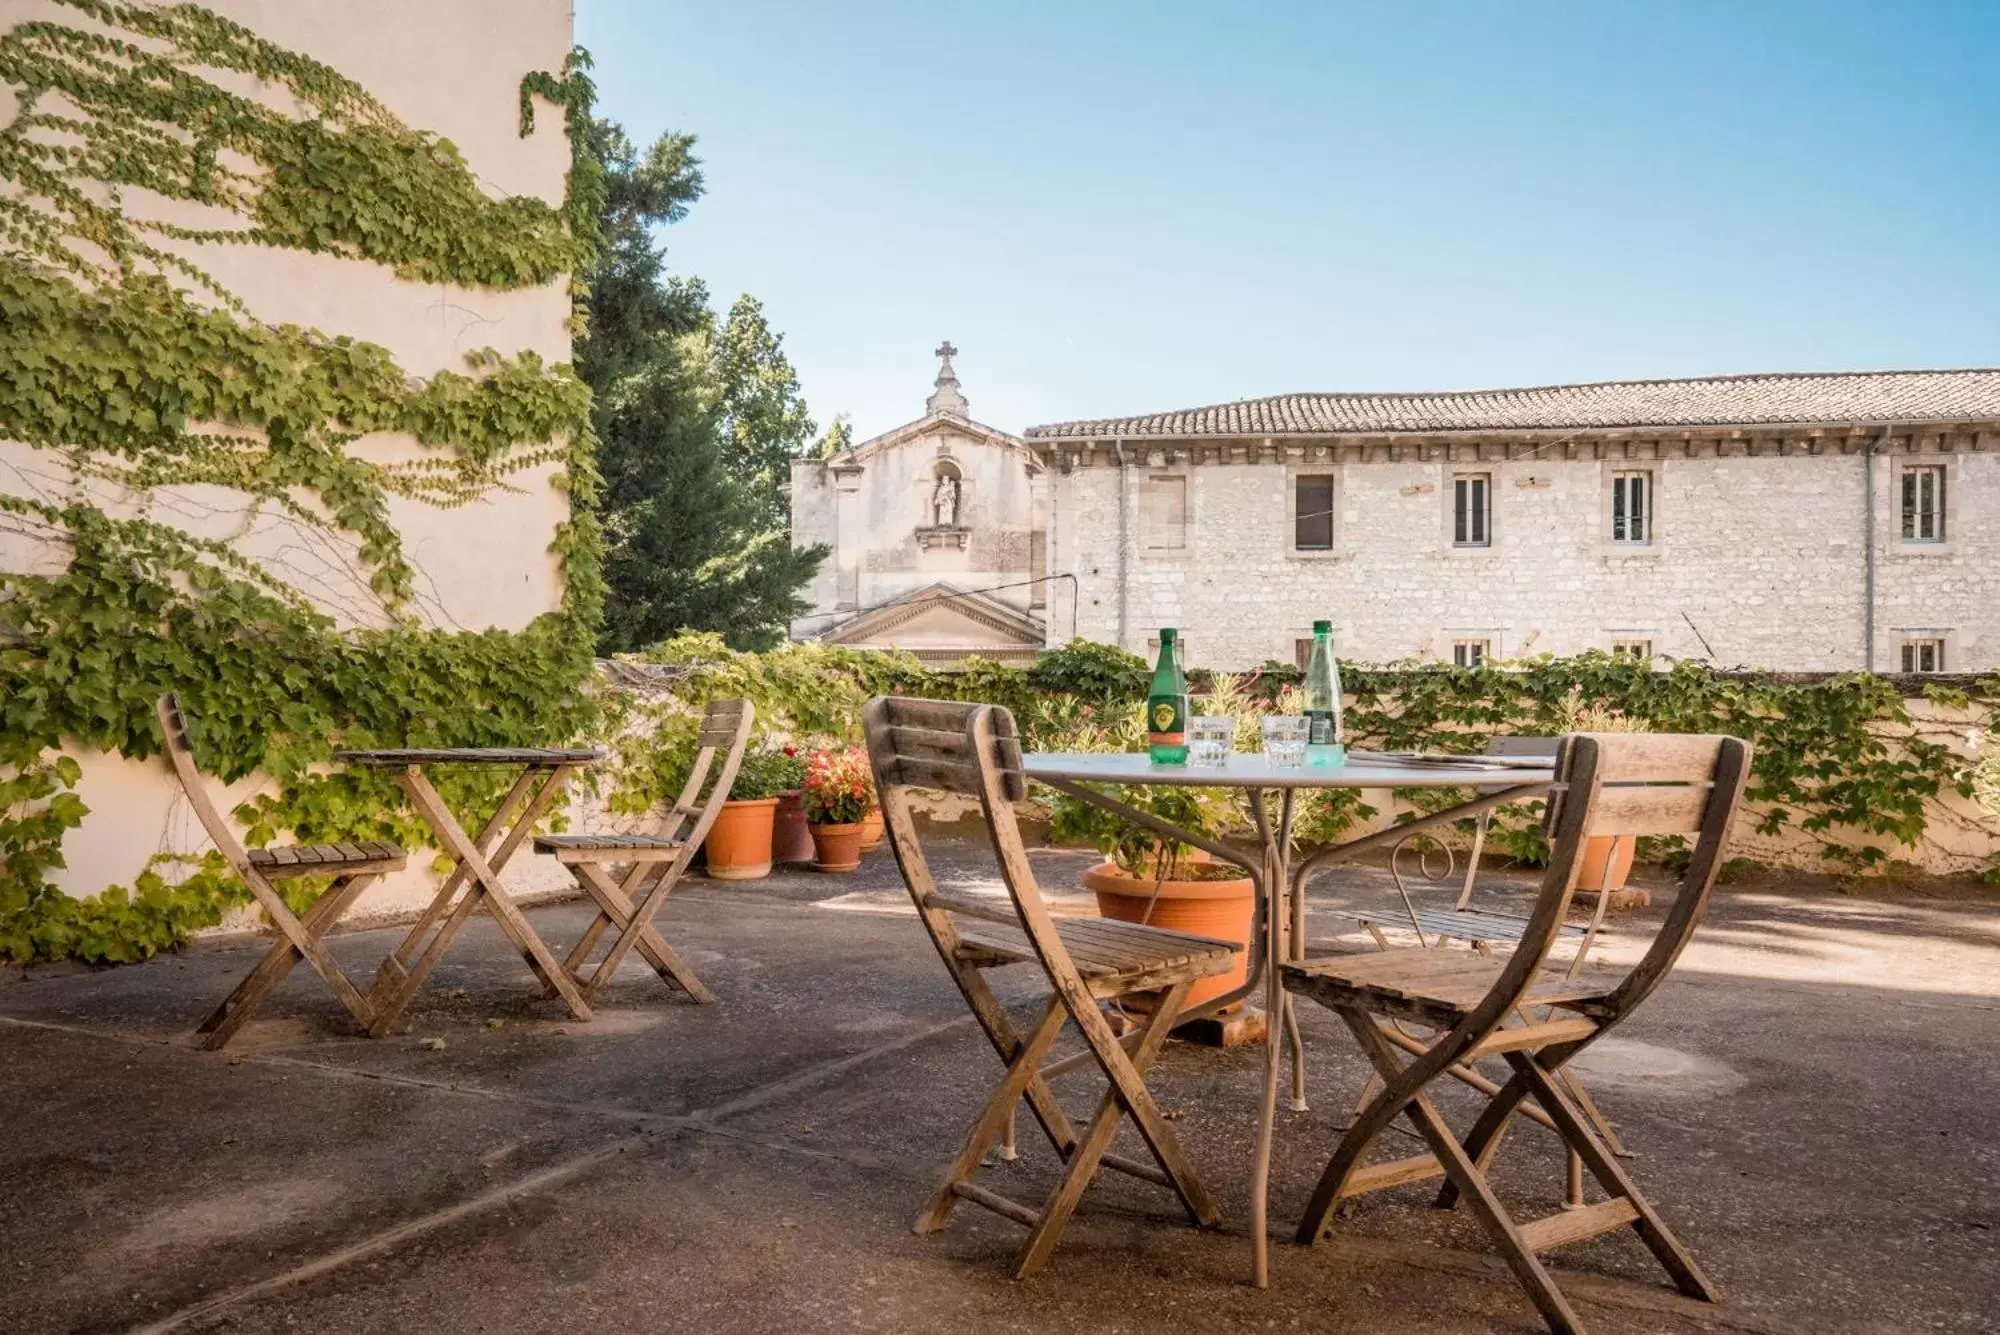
[1811, 1098]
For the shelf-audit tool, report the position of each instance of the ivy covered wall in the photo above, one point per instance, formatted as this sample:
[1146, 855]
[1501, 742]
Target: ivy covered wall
[285, 305]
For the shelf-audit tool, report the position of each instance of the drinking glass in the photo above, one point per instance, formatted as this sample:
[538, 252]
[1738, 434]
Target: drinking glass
[1211, 737]
[1285, 740]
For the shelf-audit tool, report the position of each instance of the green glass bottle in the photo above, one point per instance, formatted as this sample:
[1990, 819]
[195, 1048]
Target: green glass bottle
[1323, 732]
[1167, 705]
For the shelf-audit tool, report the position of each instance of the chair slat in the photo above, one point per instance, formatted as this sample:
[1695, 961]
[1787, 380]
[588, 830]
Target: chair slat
[1656, 757]
[1649, 810]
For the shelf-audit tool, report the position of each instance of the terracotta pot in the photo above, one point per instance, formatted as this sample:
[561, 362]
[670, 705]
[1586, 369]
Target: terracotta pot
[1597, 851]
[739, 843]
[1221, 909]
[873, 831]
[836, 847]
[791, 841]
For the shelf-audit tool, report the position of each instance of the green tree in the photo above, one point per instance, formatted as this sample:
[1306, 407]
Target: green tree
[692, 421]
[764, 421]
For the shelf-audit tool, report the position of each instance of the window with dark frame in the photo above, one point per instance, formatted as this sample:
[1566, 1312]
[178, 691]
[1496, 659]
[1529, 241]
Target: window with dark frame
[1632, 508]
[1923, 503]
[1632, 647]
[1470, 653]
[1472, 510]
[1312, 513]
[1925, 654]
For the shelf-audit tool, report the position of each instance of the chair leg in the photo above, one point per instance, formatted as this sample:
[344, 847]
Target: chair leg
[993, 1118]
[1471, 1180]
[278, 963]
[1675, 1258]
[1090, 1148]
[637, 932]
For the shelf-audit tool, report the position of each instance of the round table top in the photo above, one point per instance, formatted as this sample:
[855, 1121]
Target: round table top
[1247, 770]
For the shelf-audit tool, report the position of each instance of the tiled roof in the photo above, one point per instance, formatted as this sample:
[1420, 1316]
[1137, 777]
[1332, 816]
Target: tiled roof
[1744, 400]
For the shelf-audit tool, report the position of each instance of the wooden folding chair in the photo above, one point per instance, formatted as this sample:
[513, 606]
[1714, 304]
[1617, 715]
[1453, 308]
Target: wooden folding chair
[354, 867]
[974, 750]
[626, 906]
[1609, 784]
[1482, 928]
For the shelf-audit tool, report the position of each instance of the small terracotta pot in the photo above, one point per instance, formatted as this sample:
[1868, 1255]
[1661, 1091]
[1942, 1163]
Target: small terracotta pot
[873, 831]
[791, 841]
[1597, 851]
[1221, 909]
[836, 847]
[739, 843]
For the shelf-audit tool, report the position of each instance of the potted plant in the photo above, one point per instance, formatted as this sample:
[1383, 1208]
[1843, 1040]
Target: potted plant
[1607, 859]
[791, 841]
[1161, 883]
[874, 830]
[738, 846]
[839, 791]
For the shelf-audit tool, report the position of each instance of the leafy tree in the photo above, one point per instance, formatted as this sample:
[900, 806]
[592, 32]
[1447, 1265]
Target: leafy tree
[692, 421]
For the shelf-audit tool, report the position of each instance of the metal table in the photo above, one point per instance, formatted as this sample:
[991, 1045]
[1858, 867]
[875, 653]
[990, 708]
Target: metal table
[1280, 935]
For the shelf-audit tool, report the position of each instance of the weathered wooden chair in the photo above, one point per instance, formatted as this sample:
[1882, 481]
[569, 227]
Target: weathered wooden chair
[1481, 928]
[974, 750]
[625, 907]
[354, 867]
[1609, 784]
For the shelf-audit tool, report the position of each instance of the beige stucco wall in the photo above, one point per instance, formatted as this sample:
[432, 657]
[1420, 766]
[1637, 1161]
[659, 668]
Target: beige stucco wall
[452, 67]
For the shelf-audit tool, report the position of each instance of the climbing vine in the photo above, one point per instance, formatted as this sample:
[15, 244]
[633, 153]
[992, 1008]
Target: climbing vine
[165, 421]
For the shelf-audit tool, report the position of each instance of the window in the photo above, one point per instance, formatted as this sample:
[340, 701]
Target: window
[1472, 510]
[1923, 504]
[1312, 513]
[1632, 647]
[1924, 655]
[1153, 649]
[1163, 514]
[1632, 508]
[1470, 653]
[1302, 652]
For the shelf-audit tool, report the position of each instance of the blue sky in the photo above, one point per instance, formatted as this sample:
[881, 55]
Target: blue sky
[1121, 208]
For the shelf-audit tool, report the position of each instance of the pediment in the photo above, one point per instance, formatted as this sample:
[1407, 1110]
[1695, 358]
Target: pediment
[948, 424]
[940, 616]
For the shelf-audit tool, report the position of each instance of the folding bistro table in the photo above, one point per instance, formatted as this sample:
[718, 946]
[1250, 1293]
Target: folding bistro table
[544, 771]
[1280, 935]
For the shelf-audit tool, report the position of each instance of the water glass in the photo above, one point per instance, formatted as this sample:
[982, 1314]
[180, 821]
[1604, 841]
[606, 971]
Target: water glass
[1285, 740]
[1211, 738]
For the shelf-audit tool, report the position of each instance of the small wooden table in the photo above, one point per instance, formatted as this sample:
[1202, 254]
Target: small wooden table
[1279, 935]
[544, 771]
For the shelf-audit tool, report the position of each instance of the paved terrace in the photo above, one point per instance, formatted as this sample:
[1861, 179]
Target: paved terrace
[1813, 1097]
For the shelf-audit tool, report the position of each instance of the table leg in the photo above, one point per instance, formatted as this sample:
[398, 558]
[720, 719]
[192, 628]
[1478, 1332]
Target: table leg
[397, 986]
[1274, 1010]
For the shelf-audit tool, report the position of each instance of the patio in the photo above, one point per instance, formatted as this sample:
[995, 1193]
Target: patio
[1824, 1142]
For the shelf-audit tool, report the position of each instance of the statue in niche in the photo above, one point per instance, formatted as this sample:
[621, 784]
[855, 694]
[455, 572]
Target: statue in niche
[944, 501]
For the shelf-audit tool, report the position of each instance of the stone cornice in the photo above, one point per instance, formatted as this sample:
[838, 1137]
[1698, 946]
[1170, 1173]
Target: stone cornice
[1537, 446]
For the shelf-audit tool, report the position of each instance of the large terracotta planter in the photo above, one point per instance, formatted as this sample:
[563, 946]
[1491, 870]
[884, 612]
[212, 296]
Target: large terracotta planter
[873, 831]
[739, 843]
[1221, 909]
[836, 847]
[791, 841]
[1597, 851]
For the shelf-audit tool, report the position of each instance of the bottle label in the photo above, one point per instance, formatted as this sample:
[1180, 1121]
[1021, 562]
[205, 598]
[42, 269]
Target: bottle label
[1166, 721]
[1319, 728]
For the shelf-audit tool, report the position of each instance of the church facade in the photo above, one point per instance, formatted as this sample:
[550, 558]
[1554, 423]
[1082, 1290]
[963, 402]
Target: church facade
[937, 537]
[1787, 522]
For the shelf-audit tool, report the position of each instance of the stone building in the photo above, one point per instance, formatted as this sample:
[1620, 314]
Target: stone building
[1788, 522]
[936, 537]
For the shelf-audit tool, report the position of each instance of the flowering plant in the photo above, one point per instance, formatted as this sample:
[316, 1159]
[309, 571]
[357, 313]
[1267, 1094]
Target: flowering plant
[839, 789]
[766, 774]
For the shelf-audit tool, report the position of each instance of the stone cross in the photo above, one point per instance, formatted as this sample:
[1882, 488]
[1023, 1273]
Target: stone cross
[946, 398]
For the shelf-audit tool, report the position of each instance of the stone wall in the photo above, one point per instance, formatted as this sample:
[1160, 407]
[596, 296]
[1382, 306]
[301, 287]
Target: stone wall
[1757, 560]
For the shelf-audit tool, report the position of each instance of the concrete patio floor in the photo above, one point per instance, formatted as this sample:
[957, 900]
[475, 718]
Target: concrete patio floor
[1813, 1099]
